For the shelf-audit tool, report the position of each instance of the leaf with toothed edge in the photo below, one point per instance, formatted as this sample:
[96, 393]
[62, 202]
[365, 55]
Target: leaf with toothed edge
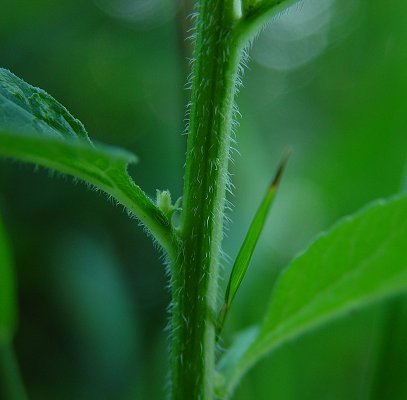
[361, 260]
[36, 128]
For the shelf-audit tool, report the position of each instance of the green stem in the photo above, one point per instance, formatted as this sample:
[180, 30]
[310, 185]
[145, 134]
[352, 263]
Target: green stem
[195, 274]
[11, 387]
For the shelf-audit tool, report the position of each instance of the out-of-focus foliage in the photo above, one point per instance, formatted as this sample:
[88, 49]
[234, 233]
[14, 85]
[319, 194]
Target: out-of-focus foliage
[8, 307]
[361, 261]
[327, 78]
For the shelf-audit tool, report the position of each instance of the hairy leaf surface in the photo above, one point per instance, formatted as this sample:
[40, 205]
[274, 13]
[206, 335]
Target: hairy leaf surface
[360, 260]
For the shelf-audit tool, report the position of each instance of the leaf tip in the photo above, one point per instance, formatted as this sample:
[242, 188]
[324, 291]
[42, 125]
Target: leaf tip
[281, 168]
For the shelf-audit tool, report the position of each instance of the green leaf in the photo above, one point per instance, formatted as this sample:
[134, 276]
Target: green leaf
[8, 306]
[361, 260]
[35, 128]
[246, 251]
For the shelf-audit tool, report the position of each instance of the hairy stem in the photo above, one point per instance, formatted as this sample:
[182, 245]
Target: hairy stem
[195, 274]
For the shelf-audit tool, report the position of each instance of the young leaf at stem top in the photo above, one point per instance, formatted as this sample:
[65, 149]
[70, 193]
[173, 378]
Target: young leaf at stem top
[246, 251]
[256, 13]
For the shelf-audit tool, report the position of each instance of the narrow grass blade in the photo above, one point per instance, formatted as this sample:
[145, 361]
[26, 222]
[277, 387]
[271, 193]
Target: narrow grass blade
[360, 261]
[246, 251]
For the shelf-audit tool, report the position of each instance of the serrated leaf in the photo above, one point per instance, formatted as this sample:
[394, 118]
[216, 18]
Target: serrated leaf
[36, 128]
[245, 254]
[8, 307]
[363, 259]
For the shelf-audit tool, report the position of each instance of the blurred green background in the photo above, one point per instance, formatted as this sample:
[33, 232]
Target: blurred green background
[328, 78]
